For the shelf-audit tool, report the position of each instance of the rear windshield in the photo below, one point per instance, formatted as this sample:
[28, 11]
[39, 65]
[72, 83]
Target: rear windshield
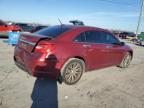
[53, 31]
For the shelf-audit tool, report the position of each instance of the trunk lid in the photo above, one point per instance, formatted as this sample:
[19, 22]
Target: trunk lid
[28, 41]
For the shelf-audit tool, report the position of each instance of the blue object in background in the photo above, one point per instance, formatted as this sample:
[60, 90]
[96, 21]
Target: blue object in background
[13, 37]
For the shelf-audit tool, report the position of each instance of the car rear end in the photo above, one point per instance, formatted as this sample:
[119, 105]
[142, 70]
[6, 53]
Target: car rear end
[34, 53]
[30, 54]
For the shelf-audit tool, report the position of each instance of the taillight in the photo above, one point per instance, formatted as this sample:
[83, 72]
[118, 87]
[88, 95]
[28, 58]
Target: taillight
[44, 48]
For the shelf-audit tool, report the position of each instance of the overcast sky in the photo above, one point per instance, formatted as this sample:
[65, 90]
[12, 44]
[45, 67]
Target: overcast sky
[110, 14]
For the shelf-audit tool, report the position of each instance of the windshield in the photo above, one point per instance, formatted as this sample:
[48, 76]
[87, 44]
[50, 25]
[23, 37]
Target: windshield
[53, 31]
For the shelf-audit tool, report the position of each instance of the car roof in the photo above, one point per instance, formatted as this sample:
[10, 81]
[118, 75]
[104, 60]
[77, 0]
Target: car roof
[79, 26]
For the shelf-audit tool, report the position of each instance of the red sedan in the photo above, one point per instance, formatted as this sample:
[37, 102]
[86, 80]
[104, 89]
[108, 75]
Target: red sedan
[65, 52]
[6, 28]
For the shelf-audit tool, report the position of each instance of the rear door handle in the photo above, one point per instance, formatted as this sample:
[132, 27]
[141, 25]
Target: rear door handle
[108, 46]
[85, 45]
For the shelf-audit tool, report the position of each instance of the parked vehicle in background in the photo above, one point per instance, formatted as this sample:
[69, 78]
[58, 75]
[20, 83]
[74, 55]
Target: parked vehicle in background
[25, 27]
[65, 52]
[140, 39]
[77, 22]
[127, 35]
[38, 28]
[5, 28]
[116, 34]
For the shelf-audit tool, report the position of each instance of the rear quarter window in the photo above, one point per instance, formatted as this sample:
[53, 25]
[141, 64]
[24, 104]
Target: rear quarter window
[53, 31]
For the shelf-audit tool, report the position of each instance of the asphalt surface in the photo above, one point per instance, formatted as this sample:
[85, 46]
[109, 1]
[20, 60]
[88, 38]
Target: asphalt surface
[111, 87]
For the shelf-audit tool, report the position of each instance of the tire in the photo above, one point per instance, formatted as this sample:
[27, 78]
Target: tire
[72, 71]
[126, 60]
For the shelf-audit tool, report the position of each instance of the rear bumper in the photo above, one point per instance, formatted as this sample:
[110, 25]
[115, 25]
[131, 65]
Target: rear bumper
[22, 67]
[39, 69]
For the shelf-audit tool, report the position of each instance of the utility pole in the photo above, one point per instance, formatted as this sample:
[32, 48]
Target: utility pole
[140, 17]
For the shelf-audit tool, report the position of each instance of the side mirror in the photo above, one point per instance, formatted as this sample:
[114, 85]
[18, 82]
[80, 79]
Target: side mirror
[122, 43]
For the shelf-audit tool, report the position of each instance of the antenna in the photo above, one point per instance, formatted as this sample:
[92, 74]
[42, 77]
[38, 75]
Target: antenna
[59, 21]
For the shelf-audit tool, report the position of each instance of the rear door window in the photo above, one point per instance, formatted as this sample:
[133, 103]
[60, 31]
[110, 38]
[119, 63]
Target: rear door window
[98, 37]
[94, 37]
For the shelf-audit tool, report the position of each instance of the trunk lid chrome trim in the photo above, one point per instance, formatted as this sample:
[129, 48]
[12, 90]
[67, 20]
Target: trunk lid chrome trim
[27, 42]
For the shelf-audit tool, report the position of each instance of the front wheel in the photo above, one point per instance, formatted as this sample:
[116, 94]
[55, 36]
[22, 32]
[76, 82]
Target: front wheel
[126, 60]
[72, 71]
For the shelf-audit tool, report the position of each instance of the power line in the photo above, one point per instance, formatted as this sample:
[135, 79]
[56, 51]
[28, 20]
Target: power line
[140, 17]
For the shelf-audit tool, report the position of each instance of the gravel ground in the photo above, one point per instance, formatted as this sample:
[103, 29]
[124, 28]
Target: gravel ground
[105, 88]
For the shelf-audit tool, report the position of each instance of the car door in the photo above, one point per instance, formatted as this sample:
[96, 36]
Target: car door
[97, 51]
[94, 51]
[115, 51]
